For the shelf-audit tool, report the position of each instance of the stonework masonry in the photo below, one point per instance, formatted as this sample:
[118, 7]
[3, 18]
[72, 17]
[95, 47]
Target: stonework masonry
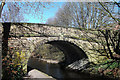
[26, 37]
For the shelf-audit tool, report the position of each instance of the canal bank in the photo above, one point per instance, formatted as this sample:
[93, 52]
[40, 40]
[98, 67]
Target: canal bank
[36, 74]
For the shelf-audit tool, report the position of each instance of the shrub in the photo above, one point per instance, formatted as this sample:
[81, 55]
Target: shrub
[12, 66]
[109, 68]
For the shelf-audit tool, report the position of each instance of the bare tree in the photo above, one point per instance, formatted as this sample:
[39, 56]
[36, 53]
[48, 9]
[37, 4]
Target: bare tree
[63, 16]
[85, 15]
[51, 21]
[11, 13]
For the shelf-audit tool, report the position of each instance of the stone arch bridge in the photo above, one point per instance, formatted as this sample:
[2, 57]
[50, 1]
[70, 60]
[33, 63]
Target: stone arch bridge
[71, 41]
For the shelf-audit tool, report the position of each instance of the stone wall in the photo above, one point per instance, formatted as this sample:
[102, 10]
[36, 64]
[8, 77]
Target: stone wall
[47, 30]
[28, 44]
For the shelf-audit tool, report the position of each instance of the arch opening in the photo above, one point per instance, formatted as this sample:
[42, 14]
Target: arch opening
[71, 51]
[48, 52]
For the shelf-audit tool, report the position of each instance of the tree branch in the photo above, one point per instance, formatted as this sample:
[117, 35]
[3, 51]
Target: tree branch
[1, 7]
[108, 12]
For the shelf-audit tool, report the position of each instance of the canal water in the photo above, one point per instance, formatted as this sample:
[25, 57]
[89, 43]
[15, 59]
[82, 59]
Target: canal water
[59, 73]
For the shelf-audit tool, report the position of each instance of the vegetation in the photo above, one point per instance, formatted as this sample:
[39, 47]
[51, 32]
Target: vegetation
[112, 40]
[48, 51]
[13, 65]
[110, 49]
[108, 67]
[86, 15]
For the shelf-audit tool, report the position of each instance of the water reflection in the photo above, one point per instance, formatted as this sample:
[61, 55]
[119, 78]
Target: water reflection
[55, 71]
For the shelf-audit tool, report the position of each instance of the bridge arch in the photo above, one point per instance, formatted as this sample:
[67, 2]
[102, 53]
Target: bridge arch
[71, 51]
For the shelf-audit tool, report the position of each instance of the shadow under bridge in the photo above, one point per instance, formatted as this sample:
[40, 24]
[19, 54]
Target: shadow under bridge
[71, 51]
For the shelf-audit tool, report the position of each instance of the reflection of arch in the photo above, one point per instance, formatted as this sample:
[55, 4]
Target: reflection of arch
[71, 51]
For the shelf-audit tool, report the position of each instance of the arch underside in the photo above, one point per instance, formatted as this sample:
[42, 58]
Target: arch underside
[71, 51]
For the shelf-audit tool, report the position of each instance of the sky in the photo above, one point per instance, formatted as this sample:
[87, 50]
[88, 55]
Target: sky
[48, 12]
[39, 17]
[32, 16]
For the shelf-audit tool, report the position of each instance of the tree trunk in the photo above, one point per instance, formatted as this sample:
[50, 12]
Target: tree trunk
[6, 30]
